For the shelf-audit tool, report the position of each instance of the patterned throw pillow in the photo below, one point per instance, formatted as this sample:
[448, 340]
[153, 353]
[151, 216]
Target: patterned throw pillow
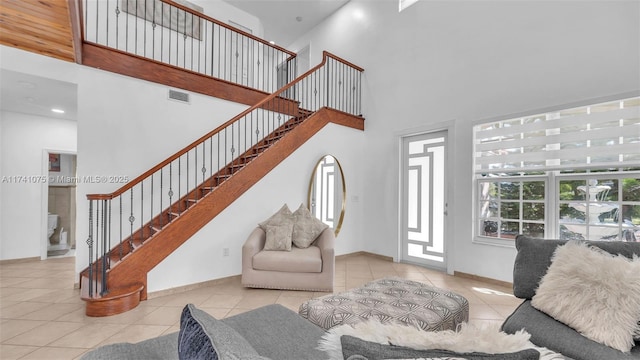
[306, 227]
[282, 216]
[594, 292]
[279, 237]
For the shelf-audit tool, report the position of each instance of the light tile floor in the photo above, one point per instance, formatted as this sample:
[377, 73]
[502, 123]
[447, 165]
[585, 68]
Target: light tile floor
[42, 316]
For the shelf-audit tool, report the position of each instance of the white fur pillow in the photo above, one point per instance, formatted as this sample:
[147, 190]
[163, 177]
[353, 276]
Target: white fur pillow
[594, 292]
[468, 338]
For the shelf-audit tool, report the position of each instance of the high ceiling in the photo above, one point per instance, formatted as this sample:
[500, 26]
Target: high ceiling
[44, 27]
[285, 20]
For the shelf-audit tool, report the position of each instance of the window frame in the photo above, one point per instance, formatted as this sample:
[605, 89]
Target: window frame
[551, 176]
[478, 237]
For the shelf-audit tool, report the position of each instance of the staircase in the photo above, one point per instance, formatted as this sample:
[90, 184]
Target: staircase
[157, 212]
[134, 228]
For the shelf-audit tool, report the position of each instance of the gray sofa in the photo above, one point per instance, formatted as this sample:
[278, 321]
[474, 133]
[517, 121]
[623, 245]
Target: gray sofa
[531, 264]
[270, 332]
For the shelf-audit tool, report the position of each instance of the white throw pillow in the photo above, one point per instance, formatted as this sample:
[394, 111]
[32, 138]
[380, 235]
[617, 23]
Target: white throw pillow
[306, 227]
[279, 237]
[594, 292]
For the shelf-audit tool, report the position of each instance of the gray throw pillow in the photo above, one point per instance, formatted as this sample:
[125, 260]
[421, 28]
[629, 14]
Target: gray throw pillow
[282, 216]
[306, 227]
[202, 337]
[354, 348]
[278, 237]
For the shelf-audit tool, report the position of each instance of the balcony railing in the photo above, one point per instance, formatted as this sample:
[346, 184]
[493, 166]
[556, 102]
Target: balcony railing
[178, 35]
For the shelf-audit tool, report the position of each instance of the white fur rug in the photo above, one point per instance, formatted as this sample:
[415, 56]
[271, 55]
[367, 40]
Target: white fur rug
[468, 338]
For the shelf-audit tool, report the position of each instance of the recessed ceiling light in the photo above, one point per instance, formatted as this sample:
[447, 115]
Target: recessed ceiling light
[57, 111]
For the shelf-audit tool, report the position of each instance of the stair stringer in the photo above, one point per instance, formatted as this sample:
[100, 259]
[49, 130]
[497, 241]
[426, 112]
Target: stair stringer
[133, 269]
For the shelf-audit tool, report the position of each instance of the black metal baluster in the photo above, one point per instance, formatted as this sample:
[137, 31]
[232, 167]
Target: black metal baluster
[195, 172]
[161, 195]
[109, 236]
[151, 203]
[204, 160]
[97, 254]
[186, 191]
[153, 36]
[217, 159]
[237, 53]
[107, 24]
[168, 35]
[360, 93]
[219, 49]
[232, 146]
[162, 32]
[98, 21]
[120, 223]
[184, 41]
[171, 191]
[211, 162]
[142, 211]
[104, 248]
[225, 148]
[144, 33]
[131, 220]
[90, 244]
[192, 36]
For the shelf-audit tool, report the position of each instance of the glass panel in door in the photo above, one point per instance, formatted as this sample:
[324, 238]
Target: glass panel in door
[424, 202]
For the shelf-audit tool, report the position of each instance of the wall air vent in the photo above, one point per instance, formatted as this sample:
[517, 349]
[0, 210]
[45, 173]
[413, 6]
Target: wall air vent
[179, 96]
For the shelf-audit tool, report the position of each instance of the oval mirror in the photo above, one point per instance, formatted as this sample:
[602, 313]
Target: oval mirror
[327, 192]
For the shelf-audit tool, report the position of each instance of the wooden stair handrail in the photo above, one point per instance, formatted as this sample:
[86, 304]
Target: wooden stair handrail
[177, 155]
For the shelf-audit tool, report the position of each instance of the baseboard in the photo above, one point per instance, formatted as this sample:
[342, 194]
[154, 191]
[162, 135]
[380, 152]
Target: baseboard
[185, 288]
[359, 253]
[18, 261]
[483, 279]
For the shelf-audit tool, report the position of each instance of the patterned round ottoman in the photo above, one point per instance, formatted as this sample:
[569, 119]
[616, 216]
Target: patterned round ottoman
[390, 300]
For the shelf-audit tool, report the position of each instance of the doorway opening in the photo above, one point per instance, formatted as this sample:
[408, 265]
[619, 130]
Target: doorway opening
[61, 205]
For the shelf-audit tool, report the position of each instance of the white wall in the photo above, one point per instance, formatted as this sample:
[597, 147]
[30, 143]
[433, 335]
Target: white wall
[25, 139]
[465, 61]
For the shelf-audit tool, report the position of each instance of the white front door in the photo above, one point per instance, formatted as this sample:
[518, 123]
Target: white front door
[424, 203]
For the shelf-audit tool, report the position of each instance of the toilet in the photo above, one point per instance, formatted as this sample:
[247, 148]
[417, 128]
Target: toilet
[52, 224]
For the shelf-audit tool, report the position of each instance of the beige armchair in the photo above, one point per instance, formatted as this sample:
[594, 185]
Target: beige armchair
[310, 269]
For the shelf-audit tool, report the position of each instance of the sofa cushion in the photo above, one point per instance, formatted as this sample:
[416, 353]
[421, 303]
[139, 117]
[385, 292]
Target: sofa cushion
[306, 227]
[203, 337]
[594, 292]
[278, 333]
[297, 260]
[278, 237]
[282, 216]
[547, 332]
[354, 348]
[534, 258]
[163, 347]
